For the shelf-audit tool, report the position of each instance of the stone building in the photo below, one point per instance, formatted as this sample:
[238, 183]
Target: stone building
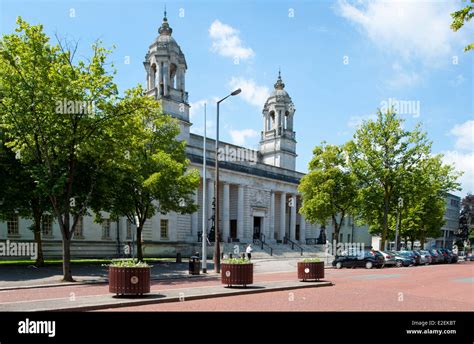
[258, 189]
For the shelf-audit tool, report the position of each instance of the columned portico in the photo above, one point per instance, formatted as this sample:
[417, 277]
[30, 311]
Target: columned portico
[271, 220]
[282, 215]
[240, 211]
[195, 218]
[226, 210]
[302, 229]
[210, 199]
[293, 219]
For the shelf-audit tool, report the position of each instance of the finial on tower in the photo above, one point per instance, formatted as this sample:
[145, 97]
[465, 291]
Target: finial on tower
[279, 85]
[165, 27]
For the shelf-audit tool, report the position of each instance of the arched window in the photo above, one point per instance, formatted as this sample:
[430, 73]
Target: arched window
[173, 69]
[153, 76]
[272, 120]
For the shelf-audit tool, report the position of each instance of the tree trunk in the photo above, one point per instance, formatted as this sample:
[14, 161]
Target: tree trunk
[139, 242]
[67, 274]
[385, 222]
[66, 235]
[336, 230]
[37, 214]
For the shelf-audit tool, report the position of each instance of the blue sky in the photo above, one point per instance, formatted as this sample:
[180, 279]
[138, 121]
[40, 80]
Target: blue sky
[340, 60]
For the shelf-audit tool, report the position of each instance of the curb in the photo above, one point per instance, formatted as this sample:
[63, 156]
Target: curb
[169, 299]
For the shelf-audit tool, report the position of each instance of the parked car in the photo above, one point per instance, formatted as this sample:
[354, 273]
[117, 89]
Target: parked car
[436, 257]
[389, 258]
[449, 256]
[401, 260]
[412, 255]
[367, 259]
[425, 257]
[446, 256]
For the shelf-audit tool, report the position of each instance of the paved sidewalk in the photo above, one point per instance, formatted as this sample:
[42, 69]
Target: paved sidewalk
[157, 295]
[20, 277]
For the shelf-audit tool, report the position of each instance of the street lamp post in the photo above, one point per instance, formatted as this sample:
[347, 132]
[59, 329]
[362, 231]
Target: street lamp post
[204, 191]
[400, 205]
[217, 249]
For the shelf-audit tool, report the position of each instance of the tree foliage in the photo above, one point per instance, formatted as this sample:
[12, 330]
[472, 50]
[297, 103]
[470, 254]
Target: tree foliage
[460, 18]
[152, 175]
[391, 162]
[329, 189]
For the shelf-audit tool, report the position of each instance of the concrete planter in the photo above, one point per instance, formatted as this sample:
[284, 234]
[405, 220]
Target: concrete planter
[237, 274]
[310, 271]
[129, 281]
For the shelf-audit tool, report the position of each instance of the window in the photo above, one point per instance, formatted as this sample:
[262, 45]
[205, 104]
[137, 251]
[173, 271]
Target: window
[129, 229]
[164, 229]
[12, 225]
[348, 238]
[106, 229]
[79, 228]
[47, 225]
[340, 237]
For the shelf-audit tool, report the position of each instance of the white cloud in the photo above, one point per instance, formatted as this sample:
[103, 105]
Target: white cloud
[251, 92]
[411, 28]
[402, 78]
[457, 81]
[463, 157]
[239, 136]
[356, 121]
[464, 135]
[226, 41]
[462, 162]
[196, 108]
[210, 129]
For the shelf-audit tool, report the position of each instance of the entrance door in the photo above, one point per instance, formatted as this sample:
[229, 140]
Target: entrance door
[233, 229]
[257, 222]
[297, 232]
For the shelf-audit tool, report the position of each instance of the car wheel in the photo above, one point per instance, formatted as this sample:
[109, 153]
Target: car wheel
[338, 265]
[399, 264]
[369, 265]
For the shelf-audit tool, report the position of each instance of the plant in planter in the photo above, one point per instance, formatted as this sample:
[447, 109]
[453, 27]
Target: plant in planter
[310, 269]
[237, 271]
[129, 277]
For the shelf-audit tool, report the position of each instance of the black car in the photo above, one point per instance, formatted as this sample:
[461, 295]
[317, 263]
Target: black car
[436, 257]
[402, 260]
[411, 255]
[449, 256]
[367, 259]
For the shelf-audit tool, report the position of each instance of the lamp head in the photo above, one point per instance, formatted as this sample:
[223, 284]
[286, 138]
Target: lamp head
[236, 92]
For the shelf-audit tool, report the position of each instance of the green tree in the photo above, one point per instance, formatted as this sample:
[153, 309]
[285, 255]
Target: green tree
[466, 219]
[329, 189]
[424, 193]
[152, 175]
[460, 18]
[19, 195]
[381, 155]
[59, 116]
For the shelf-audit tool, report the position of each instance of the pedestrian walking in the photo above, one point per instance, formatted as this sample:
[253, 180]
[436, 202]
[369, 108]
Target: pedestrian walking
[249, 251]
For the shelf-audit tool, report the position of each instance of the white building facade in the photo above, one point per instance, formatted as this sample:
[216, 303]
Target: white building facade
[258, 195]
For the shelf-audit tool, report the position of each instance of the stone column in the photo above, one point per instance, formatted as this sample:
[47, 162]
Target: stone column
[210, 199]
[240, 212]
[302, 229]
[282, 215]
[271, 219]
[195, 218]
[166, 78]
[293, 219]
[226, 211]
